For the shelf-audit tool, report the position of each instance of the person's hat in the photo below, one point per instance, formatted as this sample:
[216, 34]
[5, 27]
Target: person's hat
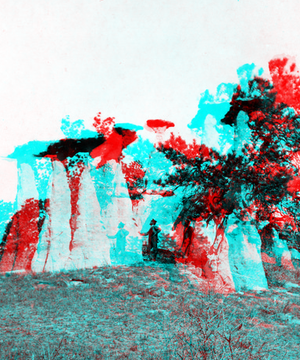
[121, 224]
[153, 222]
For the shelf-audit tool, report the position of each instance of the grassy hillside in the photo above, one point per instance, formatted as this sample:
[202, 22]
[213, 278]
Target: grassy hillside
[147, 311]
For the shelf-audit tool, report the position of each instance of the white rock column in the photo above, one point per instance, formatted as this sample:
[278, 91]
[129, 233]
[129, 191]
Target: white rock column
[53, 248]
[90, 246]
[120, 210]
[281, 252]
[219, 263]
[26, 184]
[242, 132]
[244, 255]
[209, 250]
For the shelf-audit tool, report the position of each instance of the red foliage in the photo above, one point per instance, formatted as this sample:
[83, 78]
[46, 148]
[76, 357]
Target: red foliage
[22, 239]
[294, 185]
[115, 142]
[280, 219]
[286, 79]
[112, 148]
[133, 175]
[191, 151]
[133, 172]
[103, 126]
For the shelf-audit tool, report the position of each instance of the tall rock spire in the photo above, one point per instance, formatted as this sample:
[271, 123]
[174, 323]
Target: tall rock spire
[53, 248]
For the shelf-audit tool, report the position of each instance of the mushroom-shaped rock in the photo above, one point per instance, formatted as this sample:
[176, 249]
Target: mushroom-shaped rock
[159, 127]
[112, 148]
[128, 126]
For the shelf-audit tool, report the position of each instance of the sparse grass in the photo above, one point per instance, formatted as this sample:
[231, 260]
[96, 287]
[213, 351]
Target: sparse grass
[141, 312]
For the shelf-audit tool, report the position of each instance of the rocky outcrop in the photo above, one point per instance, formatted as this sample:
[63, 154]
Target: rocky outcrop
[229, 254]
[209, 251]
[275, 250]
[243, 132]
[216, 268]
[19, 243]
[295, 257]
[87, 199]
[26, 184]
[73, 233]
[120, 211]
[281, 252]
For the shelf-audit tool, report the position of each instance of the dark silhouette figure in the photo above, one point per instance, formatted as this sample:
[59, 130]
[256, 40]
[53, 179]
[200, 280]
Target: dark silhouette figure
[152, 239]
[187, 237]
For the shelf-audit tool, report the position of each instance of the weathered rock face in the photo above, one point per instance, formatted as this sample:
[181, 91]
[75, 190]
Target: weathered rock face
[267, 235]
[295, 255]
[209, 251]
[53, 248]
[42, 168]
[222, 264]
[73, 233]
[20, 243]
[26, 185]
[281, 252]
[275, 250]
[244, 255]
[90, 246]
[203, 239]
[230, 257]
[145, 211]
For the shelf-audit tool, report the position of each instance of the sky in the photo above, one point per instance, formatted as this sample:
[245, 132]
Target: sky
[129, 59]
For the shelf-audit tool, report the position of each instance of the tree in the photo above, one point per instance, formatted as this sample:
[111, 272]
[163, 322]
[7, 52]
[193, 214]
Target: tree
[254, 182]
[274, 141]
[210, 180]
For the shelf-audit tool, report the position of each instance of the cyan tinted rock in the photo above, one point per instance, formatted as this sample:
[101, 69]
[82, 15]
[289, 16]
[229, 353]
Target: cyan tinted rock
[281, 251]
[26, 184]
[53, 248]
[245, 254]
[90, 246]
[295, 255]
